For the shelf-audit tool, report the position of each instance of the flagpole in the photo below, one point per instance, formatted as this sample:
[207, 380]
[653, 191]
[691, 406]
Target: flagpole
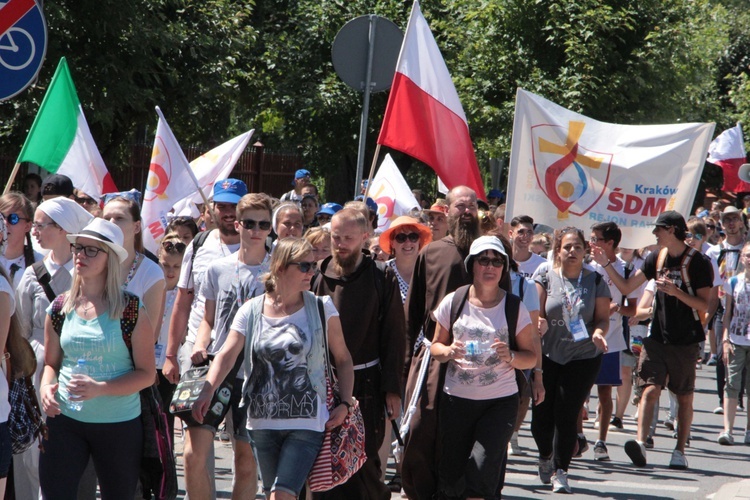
[190, 172]
[372, 169]
[12, 178]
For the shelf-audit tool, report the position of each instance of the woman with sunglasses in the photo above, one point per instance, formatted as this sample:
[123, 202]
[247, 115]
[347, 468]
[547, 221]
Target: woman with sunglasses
[54, 220]
[19, 254]
[479, 400]
[402, 241]
[7, 308]
[141, 276]
[286, 360]
[95, 415]
[575, 302]
[88, 203]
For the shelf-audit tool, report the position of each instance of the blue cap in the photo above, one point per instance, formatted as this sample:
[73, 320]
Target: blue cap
[371, 204]
[229, 191]
[329, 209]
[301, 173]
[495, 193]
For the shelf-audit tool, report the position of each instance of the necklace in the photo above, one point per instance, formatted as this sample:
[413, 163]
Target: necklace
[86, 309]
[131, 273]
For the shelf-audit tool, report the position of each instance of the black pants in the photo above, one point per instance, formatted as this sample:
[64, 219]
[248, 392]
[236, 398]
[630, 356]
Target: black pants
[474, 435]
[553, 422]
[166, 391]
[116, 450]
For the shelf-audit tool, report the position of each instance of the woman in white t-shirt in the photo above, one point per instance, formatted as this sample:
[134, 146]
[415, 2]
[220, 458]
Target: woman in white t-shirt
[479, 403]
[143, 277]
[7, 308]
[285, 381]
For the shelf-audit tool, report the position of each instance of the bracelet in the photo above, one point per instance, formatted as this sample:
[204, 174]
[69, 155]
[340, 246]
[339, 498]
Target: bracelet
[171, 356]
[512, 357]
[538, 370]
[608, 263]
[348, 405]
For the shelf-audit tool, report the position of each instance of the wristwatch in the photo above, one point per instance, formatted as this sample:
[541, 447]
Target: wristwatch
[349, 406]
[512, 356]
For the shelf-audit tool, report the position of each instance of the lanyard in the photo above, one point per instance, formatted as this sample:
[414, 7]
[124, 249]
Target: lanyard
[131, 273]
[572, 296]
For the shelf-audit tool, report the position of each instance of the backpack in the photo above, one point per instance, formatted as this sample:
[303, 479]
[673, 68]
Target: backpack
[44, 279]
[687, 256]
[158, 472]
[512, 306]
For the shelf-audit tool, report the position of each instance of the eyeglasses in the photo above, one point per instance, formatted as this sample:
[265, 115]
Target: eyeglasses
[39, 226]
[486, 261]
[305, 267]
[170, 246]
[249, 224]
[596, 240]
[524, 232]
[84, 200]
[402, 237]
[90, 252]
[14, 219]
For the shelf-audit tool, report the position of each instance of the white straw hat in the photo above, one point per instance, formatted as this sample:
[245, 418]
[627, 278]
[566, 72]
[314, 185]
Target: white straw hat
[106, 232]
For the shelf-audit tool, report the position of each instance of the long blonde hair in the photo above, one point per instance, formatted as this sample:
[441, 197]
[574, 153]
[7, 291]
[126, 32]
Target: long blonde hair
[114, 296]
[287, 251]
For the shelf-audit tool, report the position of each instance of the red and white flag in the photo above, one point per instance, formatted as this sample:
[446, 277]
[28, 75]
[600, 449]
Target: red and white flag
[424, 117]
[728, 152]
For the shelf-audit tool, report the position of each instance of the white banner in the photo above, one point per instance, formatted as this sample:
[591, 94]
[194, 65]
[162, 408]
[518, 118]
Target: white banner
[391, 192]
[569, 170]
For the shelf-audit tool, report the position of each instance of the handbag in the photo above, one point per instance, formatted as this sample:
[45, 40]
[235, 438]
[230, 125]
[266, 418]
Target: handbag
[25, 420]
[342, 453]
[190, 387]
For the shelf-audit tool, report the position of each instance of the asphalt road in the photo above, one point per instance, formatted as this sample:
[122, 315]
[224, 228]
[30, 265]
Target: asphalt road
[710, 464]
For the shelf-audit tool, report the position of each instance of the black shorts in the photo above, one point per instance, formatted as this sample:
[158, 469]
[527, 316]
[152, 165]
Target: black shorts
[667, 365]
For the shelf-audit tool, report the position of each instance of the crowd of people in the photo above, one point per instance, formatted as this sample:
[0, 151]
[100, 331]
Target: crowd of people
[452, 323]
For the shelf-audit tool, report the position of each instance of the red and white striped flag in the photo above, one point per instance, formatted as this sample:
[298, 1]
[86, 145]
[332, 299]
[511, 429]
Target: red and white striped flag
[424, 117]
[728, 152]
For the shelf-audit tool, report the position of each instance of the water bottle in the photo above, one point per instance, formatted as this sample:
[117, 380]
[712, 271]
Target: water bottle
[79, 369]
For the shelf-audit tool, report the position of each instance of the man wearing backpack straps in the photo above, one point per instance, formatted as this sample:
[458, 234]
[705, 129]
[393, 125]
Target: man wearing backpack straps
[188, 310]
[372, 319]
[683, 283]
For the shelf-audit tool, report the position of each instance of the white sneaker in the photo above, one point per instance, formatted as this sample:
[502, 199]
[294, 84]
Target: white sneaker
[678, 460]
[545, 470]
[719, 410]
[600, 451]
[514, 448]
[560, 482]
[726, 439]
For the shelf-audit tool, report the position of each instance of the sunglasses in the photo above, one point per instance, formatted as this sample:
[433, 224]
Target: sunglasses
[82, 200]
[249, 224]
[279, 354]
[323, 217]
[171, 247]
[14, 219]
[693, 235]
[305, 267]
[90, 252]
[402, 237]
[486, 261]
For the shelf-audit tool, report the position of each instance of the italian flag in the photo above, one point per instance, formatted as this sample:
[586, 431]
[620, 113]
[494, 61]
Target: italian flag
[60, 140]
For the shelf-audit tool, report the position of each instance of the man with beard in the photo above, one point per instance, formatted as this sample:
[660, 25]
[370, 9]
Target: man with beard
[372, 317]
[189, 309]
[439, 270]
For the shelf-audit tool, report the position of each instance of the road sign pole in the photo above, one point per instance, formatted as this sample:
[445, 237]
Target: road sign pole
[365, 105]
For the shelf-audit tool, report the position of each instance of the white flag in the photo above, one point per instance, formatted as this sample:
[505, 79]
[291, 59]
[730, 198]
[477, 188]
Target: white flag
[212, 166]
[569, 170]
[391, 192]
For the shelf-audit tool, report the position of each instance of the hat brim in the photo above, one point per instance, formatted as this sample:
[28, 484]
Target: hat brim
[227, 198]
[425, 235]
[122, 254]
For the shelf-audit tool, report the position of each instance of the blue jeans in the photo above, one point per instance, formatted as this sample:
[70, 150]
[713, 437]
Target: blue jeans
[285, 457]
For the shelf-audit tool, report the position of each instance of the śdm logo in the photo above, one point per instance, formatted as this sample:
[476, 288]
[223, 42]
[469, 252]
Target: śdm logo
[573, 177]
[159, 173]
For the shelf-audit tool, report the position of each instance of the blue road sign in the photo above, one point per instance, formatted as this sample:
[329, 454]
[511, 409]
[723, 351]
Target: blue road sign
[23, 44]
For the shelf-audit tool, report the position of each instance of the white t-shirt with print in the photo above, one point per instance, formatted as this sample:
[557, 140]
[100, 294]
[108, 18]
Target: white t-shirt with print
[480, 376]
[528, 267]
[614, 337]
[282, 394]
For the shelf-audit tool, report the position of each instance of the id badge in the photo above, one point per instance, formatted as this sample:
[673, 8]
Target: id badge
[159, 353]
[578, 329]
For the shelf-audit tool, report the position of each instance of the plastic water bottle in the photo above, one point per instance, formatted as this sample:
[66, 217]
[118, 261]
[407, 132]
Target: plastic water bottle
[79, 369]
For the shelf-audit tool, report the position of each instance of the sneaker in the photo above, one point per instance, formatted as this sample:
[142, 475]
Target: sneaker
[747, 436]
[560, 482]
[514, 449]
[395, 483]
[596, 424]
[637, 452]
[678, 460]
[669, 424]
[600, 451]
[719, 410]
[223, 434]
[711, 360]
[546, 469]
[726, 439]
[616, 423]
[582, 446]
[649, 444]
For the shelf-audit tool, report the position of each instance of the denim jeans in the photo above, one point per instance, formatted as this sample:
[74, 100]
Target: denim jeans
[285, 457]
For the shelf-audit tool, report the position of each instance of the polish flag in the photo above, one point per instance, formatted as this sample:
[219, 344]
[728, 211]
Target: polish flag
[728, 152]
[424, 117]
